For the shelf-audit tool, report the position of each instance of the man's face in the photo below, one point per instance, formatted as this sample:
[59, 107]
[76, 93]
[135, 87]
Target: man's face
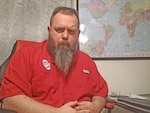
[63, 39]
[64, 28]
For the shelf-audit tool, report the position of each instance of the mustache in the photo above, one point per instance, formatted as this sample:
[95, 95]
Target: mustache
[65, 43]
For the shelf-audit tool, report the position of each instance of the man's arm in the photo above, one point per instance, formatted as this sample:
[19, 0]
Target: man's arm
[25, 104]
[94, 106]
[98, 103]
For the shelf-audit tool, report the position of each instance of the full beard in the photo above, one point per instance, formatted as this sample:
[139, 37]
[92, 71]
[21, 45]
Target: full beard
[63, 55]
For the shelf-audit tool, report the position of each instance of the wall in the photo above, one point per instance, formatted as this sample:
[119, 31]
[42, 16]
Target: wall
[28, 19]
[126, 76]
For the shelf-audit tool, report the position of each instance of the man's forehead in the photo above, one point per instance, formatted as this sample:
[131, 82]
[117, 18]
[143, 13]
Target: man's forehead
[63, 14]
[60, 19]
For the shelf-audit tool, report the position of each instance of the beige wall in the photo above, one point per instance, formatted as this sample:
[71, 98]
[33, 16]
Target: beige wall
[126, 76]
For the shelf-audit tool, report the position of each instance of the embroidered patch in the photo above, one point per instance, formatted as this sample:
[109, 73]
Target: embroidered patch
[86, 71]
[46, 64]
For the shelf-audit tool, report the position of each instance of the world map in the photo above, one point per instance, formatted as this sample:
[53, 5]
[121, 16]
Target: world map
[115, 28]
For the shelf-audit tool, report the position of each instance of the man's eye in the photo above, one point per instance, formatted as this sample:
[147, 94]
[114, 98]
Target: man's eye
[59, 30]
[71, 32]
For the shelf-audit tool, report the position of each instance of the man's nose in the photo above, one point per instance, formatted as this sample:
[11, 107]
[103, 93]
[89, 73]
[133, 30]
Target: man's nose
[65, 35]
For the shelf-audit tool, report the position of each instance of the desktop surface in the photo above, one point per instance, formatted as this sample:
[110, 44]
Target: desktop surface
[136, 103]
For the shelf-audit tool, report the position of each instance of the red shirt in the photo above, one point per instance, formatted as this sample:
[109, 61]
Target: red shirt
[33, 72]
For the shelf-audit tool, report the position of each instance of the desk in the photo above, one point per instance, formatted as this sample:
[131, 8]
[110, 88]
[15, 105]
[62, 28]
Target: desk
[134, 108]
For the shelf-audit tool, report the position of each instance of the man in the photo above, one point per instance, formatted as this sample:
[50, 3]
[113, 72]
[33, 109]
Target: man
[54, 76]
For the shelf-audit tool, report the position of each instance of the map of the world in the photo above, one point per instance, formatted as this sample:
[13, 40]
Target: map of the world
[114, 28]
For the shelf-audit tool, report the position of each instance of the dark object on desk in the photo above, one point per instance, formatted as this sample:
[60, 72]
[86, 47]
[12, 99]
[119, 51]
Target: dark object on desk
[134, 104]
[6, 111]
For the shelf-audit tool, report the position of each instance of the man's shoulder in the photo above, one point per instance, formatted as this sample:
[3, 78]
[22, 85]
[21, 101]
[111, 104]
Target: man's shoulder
[85, 61]
[84, 56]
[36, 45]
[34, 48]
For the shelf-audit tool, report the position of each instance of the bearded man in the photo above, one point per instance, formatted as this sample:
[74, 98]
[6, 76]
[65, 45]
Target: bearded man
[54, 76]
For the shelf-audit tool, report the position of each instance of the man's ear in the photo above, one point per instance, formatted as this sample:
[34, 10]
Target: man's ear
[48, 28]
[79, 32]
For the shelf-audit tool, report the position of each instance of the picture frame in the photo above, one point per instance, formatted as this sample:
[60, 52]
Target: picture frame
[115, 30]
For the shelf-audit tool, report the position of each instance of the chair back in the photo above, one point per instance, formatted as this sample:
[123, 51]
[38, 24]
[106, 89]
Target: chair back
[18, 45]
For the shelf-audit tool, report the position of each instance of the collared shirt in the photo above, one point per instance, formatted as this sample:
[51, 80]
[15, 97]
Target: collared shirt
[33, 72]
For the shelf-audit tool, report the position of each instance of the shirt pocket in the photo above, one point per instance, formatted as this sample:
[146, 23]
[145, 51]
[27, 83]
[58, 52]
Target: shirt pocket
[81, 84]
[44, 84]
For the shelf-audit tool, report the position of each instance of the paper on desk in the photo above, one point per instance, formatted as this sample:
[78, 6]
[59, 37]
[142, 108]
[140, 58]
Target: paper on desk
[136, 96]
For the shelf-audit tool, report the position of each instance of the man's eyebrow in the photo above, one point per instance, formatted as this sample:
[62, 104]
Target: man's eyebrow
[70, 28]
